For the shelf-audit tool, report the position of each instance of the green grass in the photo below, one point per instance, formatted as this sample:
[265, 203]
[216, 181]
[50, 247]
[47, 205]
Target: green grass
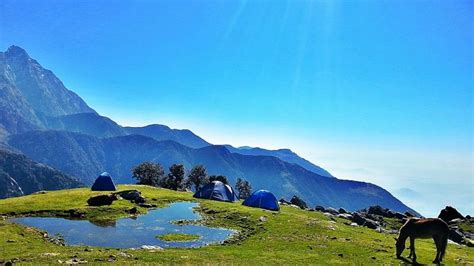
[291, 236]
[178, 237]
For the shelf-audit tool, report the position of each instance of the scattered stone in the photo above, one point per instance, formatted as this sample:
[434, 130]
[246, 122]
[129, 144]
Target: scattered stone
[282, 201]
[319, 208]
[101, 200]
[332, 211]
[340, 255]
[139, 200]
[123, 254]
[40, 192]
[49, 254]
[11, 241]
[357, 218]
[145, 205]
[449, 213]
[456, 236]
[400, 215]
[377, 210]
[347, 216]
[342, 210]
[262, 219]
[131, 195]
[133, 210]
[75, 261]
[298, 202]
[147, 247]
[354, 224]
[455, 221]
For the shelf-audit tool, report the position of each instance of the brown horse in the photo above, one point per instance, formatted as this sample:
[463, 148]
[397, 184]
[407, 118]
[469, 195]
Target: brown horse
[423, 228]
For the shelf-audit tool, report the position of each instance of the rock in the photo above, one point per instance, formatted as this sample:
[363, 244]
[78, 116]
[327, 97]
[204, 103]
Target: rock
[342, 210]
[354, 224]
[332, 211]
[262, 219]
[319, 208]
[129, 194]
[282, 201]
[456, 236]
[75, 261]
[409, 214]
[123, 254]
[378, 210]
[347, 216]
[357, 218]
[400, 215]
[40, 192]
[11, 241]
[101, 200]
[455, 221]
[151, 247]
[449, 213]
[145, 205]
[298, 202]
[139, 200]
[133, 210]
[49, 254]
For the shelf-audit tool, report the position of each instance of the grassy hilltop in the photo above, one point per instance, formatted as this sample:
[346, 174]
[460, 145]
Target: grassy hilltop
[286, 237]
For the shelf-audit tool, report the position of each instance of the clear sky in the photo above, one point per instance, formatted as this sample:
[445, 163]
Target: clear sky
[380, 91]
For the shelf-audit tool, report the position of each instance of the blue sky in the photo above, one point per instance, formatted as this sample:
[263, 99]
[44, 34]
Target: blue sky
[380, 91]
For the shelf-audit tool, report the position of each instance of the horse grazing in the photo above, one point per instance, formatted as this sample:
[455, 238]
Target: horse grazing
[423, 228]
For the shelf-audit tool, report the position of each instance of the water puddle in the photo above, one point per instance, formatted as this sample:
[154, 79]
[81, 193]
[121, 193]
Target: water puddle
[132, 232]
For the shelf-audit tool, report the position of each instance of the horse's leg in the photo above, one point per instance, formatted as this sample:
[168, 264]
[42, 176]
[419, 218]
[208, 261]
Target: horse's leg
[437, 241]
[412, 248]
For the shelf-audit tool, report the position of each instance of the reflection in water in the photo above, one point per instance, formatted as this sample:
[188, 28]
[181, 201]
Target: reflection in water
[132, 233]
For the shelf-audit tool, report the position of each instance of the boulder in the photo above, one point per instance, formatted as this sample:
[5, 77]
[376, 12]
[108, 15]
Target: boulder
[400, 215]
[377, 210]
[449, 213]
[139, 200]
[129, 194]
[357, 218]
[455, 221]
[101, 200]
[319, 208]
[347, 216]
[298, 202]
[282, 201]
[342, 210]
[332, 211]
[456, 236]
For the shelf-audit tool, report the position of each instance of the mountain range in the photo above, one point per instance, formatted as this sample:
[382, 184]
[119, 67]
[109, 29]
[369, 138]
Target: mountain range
[52, 125]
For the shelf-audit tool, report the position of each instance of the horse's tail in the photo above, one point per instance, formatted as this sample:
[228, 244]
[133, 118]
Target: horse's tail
[444, 245]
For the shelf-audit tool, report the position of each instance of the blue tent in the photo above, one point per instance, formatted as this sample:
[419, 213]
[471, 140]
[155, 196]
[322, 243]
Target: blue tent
[103, 183]
[263, 199]
[216, 190]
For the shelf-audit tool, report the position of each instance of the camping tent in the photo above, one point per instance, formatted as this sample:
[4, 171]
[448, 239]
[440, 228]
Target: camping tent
[262, 199]
[216, 190]
[103, 183]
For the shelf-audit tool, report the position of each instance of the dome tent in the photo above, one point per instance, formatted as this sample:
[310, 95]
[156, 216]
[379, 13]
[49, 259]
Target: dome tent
[103, 183]
[216, 190]
[263, 199]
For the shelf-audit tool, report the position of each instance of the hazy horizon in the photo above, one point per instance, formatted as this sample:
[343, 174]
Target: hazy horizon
[374, 92]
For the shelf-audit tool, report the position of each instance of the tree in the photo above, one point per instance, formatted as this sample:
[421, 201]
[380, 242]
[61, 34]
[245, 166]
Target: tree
[197, 176]
[148, 173]
[244, 188]
[221, 178]
[175, 178]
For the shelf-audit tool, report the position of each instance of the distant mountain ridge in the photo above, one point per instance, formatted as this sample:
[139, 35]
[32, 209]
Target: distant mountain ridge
[21, 176]
[85, 156]
[284, 154]
[72, 137]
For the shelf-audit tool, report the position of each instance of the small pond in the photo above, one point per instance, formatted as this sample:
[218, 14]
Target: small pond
[132, 232]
